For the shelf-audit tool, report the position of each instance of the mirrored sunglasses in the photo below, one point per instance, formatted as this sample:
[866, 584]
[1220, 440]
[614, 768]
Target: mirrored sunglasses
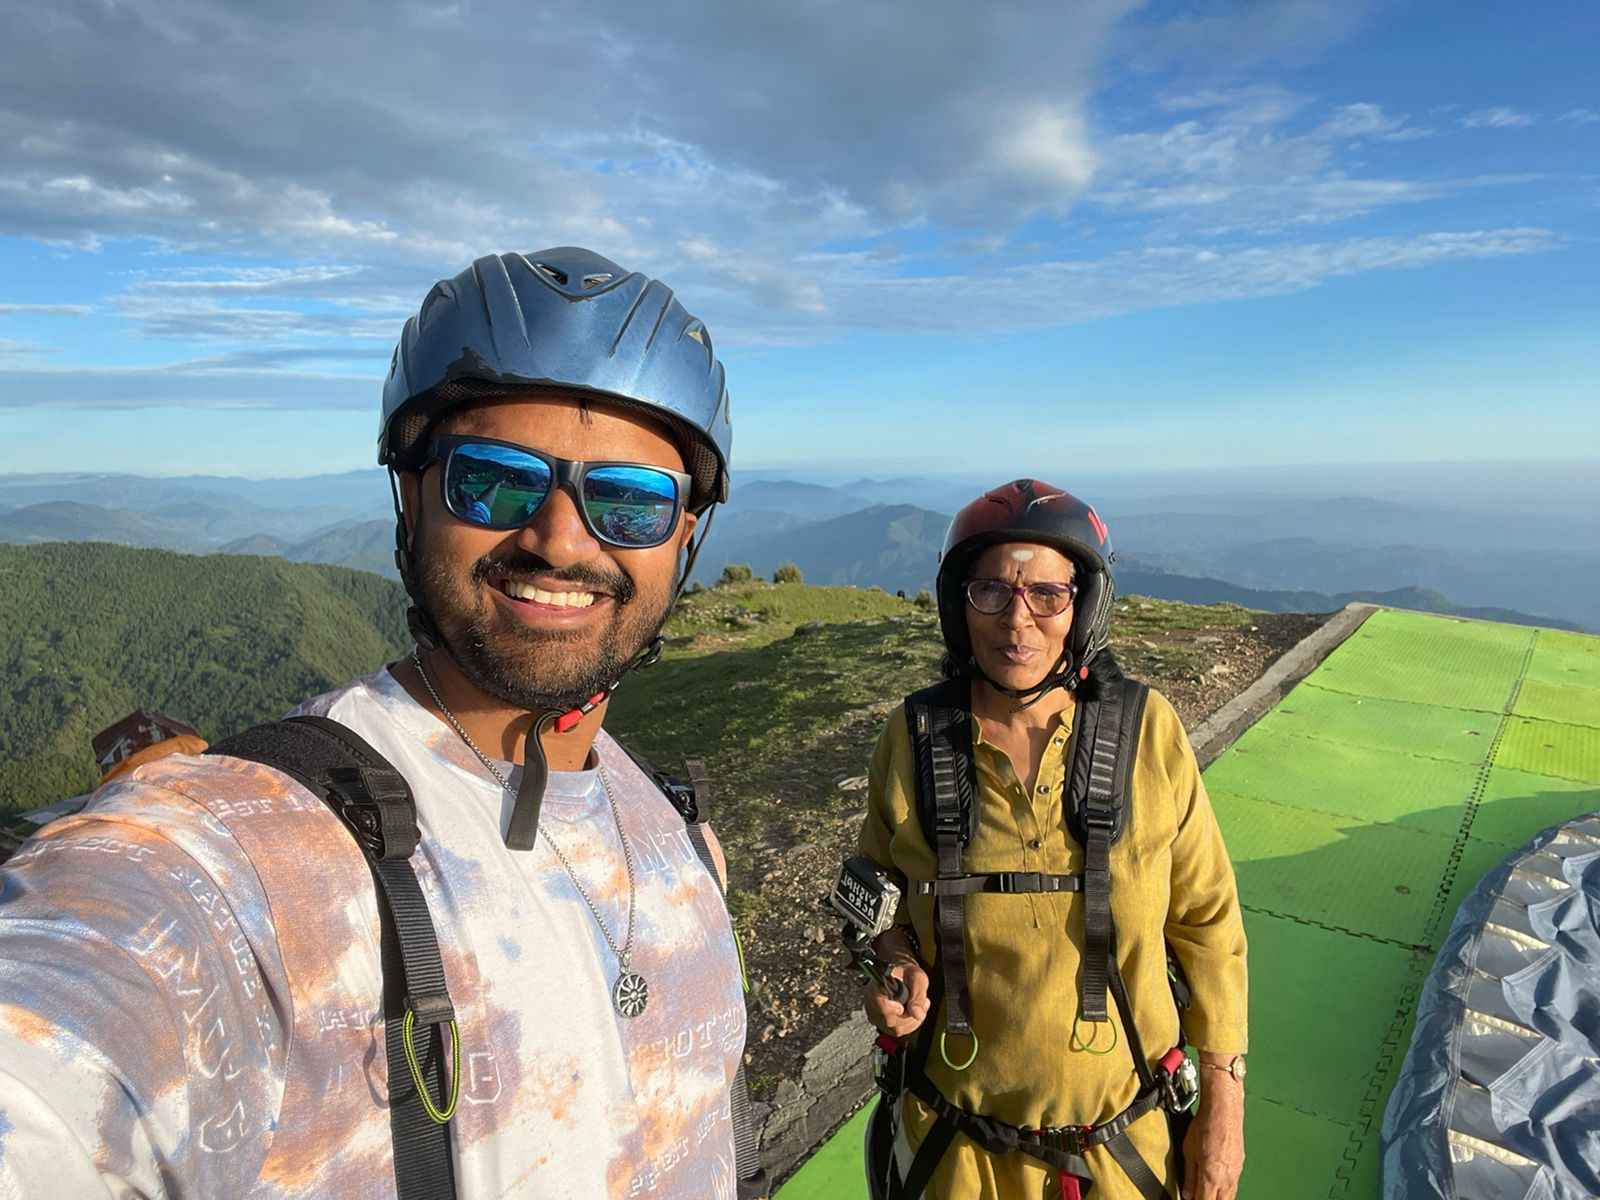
[501, 485]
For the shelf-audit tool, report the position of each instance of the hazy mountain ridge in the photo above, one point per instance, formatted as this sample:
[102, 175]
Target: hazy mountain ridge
[1489, 552]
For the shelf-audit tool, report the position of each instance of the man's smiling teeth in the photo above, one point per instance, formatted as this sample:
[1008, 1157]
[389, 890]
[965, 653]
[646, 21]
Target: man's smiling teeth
[525, 591]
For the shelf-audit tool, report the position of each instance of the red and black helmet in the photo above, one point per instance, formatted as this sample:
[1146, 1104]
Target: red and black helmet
[1028, 510]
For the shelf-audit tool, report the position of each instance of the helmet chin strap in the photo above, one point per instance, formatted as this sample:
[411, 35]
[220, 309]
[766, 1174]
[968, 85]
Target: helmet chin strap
[1062, 675]
[523, 828]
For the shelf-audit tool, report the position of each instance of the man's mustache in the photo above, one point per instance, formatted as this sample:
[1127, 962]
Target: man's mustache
[490, 569]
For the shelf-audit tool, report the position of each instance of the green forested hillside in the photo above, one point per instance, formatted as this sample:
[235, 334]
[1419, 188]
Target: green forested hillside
[89, 632]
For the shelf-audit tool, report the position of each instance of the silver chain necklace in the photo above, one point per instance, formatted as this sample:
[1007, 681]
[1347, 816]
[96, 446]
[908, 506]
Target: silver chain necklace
[630, 993]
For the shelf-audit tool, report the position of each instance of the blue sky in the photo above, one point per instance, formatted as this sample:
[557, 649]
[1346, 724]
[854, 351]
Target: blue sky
[924, 234]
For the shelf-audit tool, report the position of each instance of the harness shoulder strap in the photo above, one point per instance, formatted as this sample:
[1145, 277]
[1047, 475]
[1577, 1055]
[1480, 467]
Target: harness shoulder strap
[691, 798]
[940, 722]
[1105, 743]
[374, 801]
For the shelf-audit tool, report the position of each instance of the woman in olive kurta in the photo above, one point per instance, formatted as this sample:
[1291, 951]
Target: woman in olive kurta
[1172, 886]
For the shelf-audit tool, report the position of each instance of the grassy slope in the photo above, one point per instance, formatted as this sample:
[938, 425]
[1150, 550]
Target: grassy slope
[94, 631]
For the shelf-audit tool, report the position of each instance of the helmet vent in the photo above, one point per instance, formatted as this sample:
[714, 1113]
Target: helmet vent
[696, 331]
[594, 281]
[550, 273]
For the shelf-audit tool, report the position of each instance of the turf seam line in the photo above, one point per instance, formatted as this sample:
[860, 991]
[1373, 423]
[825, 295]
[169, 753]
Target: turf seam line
[1328, 741]
[1417, 970]
[1323, 687]
[1323, 812]
[1323, 925]
[1402, 700]
[1262, 1098]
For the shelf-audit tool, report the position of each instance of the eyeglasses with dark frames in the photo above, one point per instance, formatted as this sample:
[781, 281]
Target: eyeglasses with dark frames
[994, 596]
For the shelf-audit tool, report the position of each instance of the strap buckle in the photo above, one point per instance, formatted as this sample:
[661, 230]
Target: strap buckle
[377, 806]
[1016, 882]
[1102, 818]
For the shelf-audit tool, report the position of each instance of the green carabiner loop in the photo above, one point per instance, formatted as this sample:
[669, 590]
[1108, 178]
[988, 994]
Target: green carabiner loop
[1077, 1043]
[944, 1033]
[439, 1117]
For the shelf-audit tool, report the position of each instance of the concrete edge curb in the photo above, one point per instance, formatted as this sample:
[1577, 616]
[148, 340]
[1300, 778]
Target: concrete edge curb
[1223, 727]
[837, 1077]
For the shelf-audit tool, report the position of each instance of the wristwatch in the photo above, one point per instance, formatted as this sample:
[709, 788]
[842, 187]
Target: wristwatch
[1235, 1068]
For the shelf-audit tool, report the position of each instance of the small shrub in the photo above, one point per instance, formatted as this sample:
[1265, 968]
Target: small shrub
[924, 599]
[788, 573]
[736, 573]
[694, 589]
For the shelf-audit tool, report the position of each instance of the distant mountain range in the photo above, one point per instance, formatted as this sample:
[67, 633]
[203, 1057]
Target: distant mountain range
[896, 547]
[1269, 550]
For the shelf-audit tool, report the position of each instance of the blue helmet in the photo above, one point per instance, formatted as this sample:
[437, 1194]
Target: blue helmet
[567, 318]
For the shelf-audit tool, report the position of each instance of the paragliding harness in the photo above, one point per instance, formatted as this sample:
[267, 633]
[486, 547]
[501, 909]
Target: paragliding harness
[1104, 743]
[375, 803]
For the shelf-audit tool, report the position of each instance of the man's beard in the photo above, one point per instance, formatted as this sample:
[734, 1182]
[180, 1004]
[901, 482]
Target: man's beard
[537, 669]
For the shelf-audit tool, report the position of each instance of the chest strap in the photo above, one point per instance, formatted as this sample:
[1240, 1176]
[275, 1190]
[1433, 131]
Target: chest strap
[1005, 882]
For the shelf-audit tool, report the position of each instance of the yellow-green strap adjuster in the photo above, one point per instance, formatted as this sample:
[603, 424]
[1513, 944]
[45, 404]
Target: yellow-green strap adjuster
[439, 1116]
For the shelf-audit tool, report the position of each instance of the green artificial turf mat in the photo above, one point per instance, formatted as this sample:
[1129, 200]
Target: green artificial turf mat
[1550, 748]
[1570, 658]
[1289, 1155]
[1360, 876]
[1269, 763]
[1428, 660]
[1518, 804]
[836, 1170]
[1564, 702]
[1315, 1028]
[1461, 735]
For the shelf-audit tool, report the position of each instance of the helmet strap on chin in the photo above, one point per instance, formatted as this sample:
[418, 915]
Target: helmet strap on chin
[1062, 675]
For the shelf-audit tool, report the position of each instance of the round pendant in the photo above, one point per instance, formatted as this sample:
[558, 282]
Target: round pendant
[630, 994]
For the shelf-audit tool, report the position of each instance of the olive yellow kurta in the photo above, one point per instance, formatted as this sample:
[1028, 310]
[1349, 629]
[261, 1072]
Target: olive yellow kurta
[1171, 882]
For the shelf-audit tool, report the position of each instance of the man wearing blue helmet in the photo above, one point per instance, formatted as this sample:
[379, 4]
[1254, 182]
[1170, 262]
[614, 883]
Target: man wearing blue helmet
[518, 977]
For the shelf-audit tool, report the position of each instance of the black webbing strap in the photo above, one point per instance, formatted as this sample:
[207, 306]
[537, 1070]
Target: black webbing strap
[373, 799]
[1062, 1149]
[941, 739]
[692, 800]
[1137, 1170]
[924, 1162]
[1101, 723]
[1004, 882]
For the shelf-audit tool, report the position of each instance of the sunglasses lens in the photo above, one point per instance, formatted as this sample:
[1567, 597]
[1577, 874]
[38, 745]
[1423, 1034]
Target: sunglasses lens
[988, 595]
[631, 506]
[496, 487]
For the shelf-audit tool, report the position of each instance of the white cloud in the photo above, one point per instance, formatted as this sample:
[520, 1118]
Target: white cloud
[1580, 116]
[1498, 118]
[1250, 161]
[48, 310]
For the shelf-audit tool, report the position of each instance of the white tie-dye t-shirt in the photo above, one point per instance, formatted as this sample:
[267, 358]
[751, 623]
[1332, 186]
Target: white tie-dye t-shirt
[190, 986]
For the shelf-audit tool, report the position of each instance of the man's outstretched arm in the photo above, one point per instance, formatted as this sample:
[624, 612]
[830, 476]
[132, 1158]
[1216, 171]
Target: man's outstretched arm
[140, 1051]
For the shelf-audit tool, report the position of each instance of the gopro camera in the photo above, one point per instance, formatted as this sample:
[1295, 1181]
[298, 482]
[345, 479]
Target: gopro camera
[866, 897]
